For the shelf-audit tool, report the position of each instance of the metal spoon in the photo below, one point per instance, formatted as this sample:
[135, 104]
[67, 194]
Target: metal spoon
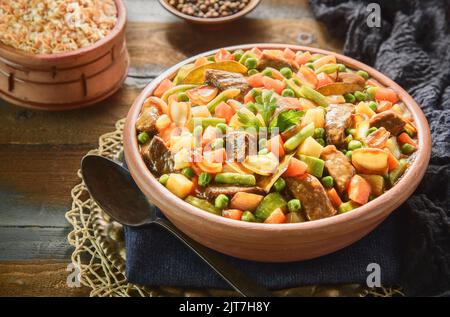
[114, 190]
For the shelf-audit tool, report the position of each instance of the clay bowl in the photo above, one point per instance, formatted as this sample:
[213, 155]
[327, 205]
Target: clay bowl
[210, 21]
[284, 242]
[67, 80]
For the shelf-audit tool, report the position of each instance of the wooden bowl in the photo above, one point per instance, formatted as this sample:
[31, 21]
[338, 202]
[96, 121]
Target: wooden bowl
[67, 80]
[278, 242]
[211, 21]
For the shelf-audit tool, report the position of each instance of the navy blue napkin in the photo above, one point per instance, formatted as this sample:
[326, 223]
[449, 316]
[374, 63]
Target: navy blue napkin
[156, 258]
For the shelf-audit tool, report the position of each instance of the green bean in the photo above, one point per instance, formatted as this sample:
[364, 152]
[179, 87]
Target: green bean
[176, 90]
[319, 133]
[314, 95]
[407, 149]
[223, 96]
[279, 185]
[327, 69]
[202, 204]
[354, 144]
[235, 179]
[371, 130]
[294, 141]
[269, 203]
[204, 179]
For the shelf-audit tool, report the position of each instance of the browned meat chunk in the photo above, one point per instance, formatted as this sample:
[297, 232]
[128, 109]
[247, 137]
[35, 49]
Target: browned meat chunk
[277, 62]
[337, 119]
[146, 121]
[338, 166]
[311, 193]
[227, 80]
[240, 144]
[213, 191]
[157, 156]
[389, 120]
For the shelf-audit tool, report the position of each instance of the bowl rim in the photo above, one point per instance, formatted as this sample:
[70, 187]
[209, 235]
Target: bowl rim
[160, 196]
[118, 27]
[250, 7]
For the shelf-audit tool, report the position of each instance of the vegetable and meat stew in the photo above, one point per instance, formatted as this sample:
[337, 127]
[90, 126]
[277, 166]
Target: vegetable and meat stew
[275, 136]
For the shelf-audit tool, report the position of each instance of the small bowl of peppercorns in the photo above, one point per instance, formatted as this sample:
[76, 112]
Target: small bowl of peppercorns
[209, 11]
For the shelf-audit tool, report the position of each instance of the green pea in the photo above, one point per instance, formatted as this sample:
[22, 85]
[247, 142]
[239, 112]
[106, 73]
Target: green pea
[349, 131]
[348, 138]
[372, 197]
[349, 154]
[163, 179]
[354, 144]
[252, 72]
[267, 72]
[279, 185]
[359, 95]
[143, 137]
[204, 179]
[319, 133]
[407, 149]
[188, 172]
[183, 97]
[321, 141]
[263, 152]
[221, 201]
[294, 205]
[217, 144]
[238, 54]
[349, 98]
[373, 105]
[342, 68]
[363, 74]
[310, 65]
[371, 130]
[251, 63]
[328, 181]
[288, 93]
[248, 216]
[286, 72]
[222, 127]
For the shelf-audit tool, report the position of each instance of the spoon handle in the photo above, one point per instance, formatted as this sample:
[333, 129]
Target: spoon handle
[234, 277]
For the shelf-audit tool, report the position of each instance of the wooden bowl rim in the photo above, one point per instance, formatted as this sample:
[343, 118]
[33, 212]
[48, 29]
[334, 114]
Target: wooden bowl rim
[161, 197]
[250, 6]
[118, 27]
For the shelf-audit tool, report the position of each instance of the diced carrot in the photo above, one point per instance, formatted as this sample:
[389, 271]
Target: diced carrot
[276, 146]
[386, 94]
[392, 160]
[201, 61]
[303, 58]
[274, 84]
[225, 111]
[334, 197]
[359, 190]
[256, 80]
[245, 201]
[277, 216]
[223, 55]
[323, 79]
[216, 156]
[209, 134]
[405, 138]
[256, 51]
[295, 168]
[165, 85]
[288, 54]
[235, 214]
[194, 181]
[384, 105]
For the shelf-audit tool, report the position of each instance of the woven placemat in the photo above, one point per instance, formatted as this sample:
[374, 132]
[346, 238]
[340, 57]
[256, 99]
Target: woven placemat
[99, 252]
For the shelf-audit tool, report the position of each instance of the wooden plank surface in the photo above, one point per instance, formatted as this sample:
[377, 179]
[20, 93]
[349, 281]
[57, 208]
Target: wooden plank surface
[40, 152]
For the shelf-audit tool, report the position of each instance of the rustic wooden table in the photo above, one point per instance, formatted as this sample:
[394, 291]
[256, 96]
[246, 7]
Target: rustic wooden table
[40, 152]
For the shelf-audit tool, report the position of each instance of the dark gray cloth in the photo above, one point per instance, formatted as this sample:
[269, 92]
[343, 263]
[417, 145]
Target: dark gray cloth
[412, 47]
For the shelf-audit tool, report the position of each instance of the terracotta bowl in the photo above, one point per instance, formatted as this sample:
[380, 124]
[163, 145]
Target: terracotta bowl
[282, 242]
[67, 80]
[210, 21]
